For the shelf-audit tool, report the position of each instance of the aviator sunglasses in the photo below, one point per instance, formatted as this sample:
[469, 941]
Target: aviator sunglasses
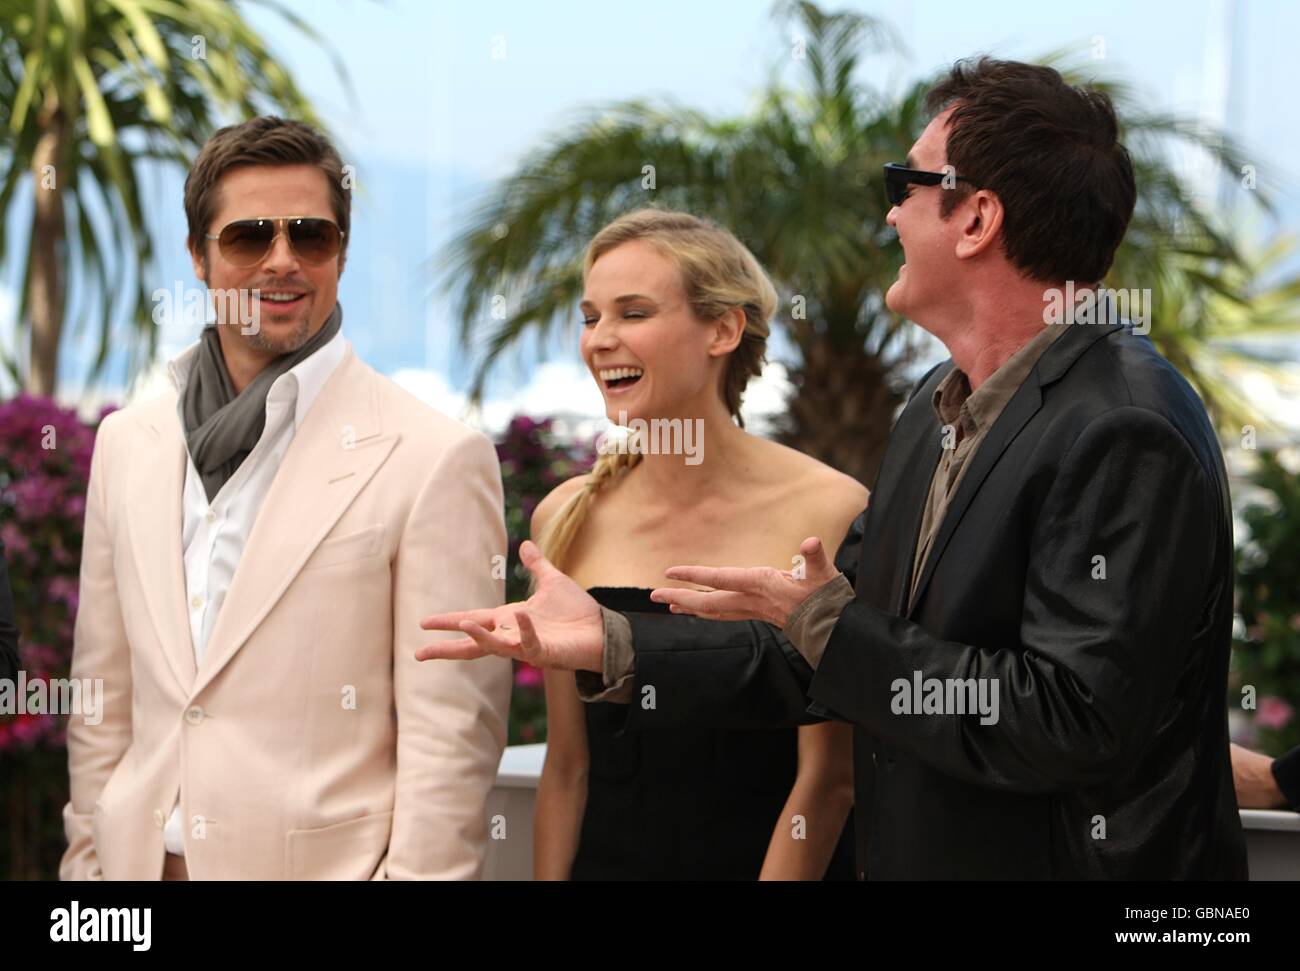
[245, 242]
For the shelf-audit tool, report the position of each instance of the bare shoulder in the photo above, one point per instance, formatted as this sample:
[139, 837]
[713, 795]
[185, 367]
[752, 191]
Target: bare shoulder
[845, 496]
[554, 500]
[822, 491]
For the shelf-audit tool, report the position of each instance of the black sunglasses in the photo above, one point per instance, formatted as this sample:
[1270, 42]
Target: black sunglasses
[899, 177]
[247, 241]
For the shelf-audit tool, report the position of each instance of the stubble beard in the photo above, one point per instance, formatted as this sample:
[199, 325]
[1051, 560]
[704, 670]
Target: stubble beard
[287, 344]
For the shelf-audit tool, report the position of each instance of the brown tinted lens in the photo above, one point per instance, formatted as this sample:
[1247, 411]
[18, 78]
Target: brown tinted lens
[245, 242]
[314, 240]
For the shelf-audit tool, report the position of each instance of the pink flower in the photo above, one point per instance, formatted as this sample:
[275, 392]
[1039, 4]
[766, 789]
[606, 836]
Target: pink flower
[14, 541]
[36, 498]
[45, 455]
[1273, 713]
[74, 507]
[26, 730]
[63, 588]
[527, 676]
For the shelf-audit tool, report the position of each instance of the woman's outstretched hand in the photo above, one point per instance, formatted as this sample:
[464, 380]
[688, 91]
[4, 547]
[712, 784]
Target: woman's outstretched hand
[559, 626]
[755, 593]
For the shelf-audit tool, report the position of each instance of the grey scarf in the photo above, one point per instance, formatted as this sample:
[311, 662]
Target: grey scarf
[222, 427]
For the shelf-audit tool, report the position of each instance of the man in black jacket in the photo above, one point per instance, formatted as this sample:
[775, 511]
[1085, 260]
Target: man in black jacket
[1034, 648]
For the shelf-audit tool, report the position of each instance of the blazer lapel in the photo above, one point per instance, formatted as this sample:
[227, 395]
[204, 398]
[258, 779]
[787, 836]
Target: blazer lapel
[897, 505]
[921, 468]
[334, 453]
[154, 536]
[1018, 411]
[1023, 406]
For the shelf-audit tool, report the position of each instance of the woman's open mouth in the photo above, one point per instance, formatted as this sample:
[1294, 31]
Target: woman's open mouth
[619, 379]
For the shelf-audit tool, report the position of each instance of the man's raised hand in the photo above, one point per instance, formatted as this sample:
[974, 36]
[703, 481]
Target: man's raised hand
[559, 626]
[748, 593]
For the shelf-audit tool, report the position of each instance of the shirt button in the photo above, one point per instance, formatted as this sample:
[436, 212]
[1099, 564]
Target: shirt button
[211, 516]
[194, 715]
[196, 602]
[159, 819]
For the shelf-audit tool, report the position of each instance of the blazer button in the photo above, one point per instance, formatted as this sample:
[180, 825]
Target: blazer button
[159, 819]
[194, 715]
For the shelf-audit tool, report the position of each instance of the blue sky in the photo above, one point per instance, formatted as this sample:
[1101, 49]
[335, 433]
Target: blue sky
[434, 117]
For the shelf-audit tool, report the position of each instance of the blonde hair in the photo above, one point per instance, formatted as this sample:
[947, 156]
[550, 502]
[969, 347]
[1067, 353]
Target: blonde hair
[720, 274]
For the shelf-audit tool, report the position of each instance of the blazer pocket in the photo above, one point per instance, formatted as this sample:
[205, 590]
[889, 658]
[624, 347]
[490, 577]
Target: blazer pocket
[343, 851]
[345, 549]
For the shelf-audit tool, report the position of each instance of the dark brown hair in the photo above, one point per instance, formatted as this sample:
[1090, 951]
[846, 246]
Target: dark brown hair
[266, 140]
[1051, 153]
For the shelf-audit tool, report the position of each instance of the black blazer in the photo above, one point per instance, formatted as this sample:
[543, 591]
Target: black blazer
[1086, 564]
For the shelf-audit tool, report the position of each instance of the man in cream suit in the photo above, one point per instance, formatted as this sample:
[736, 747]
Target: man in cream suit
[260, 547]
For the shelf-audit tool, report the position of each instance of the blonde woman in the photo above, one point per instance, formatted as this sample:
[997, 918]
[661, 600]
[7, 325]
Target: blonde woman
[675, 314]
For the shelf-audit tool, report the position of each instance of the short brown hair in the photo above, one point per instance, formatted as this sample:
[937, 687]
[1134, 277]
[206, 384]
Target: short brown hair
[265, 140]
[1051, 153]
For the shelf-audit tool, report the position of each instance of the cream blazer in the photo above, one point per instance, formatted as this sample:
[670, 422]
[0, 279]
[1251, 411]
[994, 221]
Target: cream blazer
[310, 744]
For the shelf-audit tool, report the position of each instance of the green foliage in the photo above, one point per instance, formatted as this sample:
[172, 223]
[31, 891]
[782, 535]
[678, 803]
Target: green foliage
[799, 180]
[1268, 598]
[119, 84]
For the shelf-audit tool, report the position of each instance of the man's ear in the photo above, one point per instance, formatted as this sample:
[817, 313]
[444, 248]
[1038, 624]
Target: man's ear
[199, 261]
[981, 226]
[729, 328]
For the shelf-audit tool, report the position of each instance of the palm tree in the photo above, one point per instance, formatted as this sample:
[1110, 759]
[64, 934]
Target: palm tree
[1214, 289]
[91, 92]
[800, 182]
[1221, 331]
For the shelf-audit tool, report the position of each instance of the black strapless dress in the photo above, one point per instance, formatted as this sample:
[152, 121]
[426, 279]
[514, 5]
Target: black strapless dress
[683, 804]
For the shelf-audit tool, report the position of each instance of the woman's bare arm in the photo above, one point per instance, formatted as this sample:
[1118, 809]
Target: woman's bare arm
[812, 820]
[813, 817]
[562, 791]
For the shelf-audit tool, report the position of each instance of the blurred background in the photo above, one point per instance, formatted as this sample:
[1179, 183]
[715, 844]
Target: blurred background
[488, 142]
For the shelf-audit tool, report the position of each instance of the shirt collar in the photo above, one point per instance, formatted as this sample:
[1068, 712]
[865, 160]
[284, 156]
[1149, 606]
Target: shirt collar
[953, 399]
[298, 386]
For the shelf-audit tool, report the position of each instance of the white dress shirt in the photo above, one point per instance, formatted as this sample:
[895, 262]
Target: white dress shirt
[213, 534]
